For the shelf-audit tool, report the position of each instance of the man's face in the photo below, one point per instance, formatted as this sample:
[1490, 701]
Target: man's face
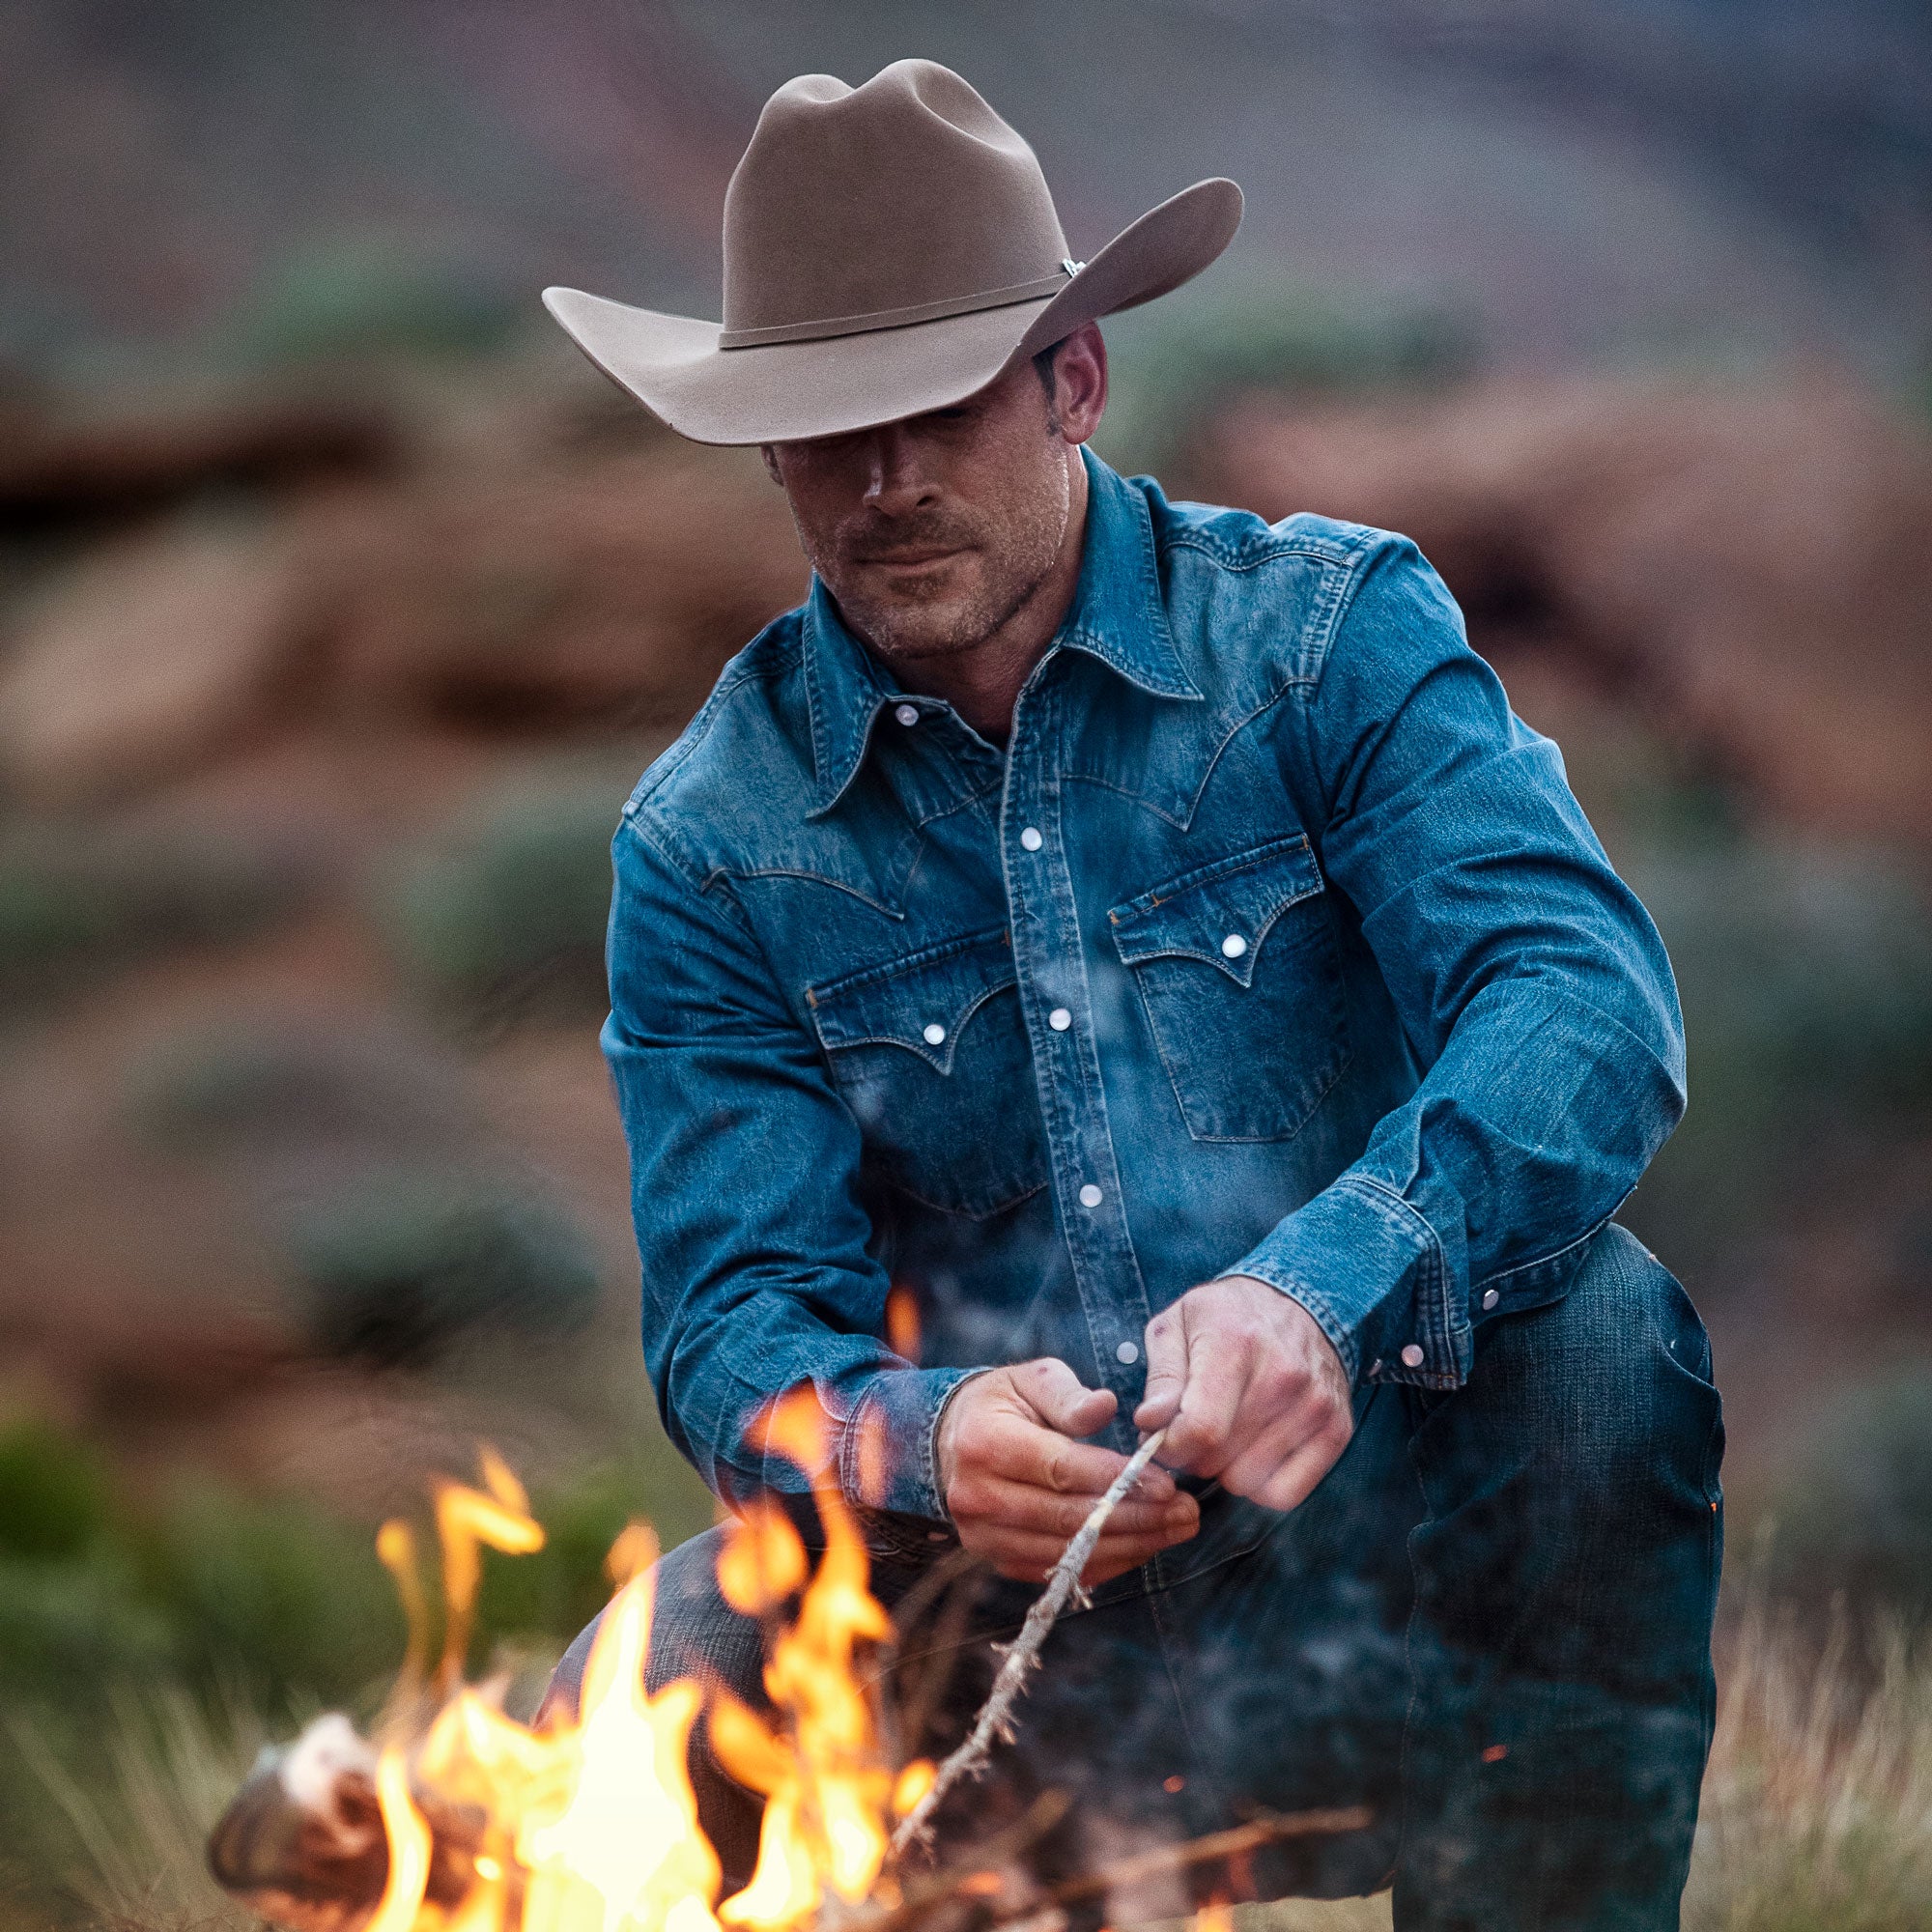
[932, 531]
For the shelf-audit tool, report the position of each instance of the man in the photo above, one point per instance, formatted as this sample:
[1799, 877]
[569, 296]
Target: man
[1145, 936]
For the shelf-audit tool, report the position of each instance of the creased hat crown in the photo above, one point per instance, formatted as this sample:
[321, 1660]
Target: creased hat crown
[898, 201]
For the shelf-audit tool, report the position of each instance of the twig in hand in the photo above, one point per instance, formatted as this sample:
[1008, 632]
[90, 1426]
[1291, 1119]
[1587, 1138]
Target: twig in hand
[994, 1719]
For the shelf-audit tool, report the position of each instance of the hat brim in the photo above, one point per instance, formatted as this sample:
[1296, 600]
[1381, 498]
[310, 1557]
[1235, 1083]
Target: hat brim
[786, 391]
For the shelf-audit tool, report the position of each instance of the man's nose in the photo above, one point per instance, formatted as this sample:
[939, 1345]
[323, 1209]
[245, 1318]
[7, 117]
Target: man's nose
[895, 481]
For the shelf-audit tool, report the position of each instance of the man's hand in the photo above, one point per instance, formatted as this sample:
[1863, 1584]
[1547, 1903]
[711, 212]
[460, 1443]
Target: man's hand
[1248, 1388]
[1018, 1485]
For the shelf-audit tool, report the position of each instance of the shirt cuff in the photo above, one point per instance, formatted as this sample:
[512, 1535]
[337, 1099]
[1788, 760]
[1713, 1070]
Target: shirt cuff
[890, 1458]
[1371, 1271]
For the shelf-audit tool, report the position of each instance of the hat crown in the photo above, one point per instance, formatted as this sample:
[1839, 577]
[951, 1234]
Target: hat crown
[897, 199]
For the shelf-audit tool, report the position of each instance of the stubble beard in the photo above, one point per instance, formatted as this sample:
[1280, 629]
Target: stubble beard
[1015, 561]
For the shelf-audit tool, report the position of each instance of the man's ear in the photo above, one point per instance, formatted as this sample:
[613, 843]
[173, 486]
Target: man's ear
[1080, 383]
[771, 464]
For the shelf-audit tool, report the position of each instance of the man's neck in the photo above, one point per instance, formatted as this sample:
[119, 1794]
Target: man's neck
[983, 683]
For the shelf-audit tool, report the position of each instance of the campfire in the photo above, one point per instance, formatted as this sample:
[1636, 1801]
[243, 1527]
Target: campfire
[452, 1816]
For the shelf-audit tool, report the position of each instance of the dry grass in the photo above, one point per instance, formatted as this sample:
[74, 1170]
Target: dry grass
[1817, 1812]
[174, 1766]
[1818, 1807]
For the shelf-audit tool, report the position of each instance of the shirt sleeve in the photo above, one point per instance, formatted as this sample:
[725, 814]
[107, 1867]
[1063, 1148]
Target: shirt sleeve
[1533, 990]
[752, 1238]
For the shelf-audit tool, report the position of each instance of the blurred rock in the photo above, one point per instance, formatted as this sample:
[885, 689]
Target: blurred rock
[1746, 561]
[56, 469]
[608, 592]
[149, 657]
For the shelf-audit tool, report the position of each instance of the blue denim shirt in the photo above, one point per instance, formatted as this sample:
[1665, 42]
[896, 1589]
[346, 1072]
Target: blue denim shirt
[1273, 942]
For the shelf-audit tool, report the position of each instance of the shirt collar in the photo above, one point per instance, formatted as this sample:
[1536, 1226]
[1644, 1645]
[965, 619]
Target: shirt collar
[1118, 612]
[1116, 615]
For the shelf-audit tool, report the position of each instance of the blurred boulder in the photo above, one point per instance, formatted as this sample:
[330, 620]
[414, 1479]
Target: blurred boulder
[149, 656]
[1746, 559]
[608, 592]
[57, 469]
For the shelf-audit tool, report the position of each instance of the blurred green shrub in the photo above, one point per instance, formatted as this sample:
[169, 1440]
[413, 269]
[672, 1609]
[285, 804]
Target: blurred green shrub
[362, 298]
[271, 1592]
[1854, 1511]
[99, 1585]
[395, 1268]
[53, 1493]
[1806, 974]
[271, 1596]
[73, 905]
[1171, 363]
[563, 1585]
[507, 923]
[205, 1087]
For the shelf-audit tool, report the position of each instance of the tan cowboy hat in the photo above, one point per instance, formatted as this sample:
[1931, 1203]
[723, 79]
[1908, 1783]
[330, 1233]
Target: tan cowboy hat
[889, 250]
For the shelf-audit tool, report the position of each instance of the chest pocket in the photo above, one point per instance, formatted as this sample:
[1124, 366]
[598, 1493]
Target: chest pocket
[932, 1058]
[1237, 971]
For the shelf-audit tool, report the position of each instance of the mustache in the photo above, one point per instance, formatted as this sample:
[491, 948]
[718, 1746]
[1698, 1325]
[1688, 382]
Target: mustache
[878, 542]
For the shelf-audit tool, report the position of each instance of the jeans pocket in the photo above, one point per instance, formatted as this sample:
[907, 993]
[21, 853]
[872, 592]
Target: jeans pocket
[1237, 971]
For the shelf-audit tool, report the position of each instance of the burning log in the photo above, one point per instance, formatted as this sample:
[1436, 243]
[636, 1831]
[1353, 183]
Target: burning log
[302, 1842]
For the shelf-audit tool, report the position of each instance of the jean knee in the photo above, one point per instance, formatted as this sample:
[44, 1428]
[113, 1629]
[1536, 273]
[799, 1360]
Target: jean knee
[694, 1633]
[1636, 1398]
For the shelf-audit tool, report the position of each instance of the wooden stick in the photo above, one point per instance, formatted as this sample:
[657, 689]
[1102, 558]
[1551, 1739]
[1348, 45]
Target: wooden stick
[1267, 1830]
[923, 1895]
[920, 1895]
[994, 1719]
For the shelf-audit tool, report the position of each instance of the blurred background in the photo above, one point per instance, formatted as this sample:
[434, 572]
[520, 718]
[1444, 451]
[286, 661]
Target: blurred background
[341, 605]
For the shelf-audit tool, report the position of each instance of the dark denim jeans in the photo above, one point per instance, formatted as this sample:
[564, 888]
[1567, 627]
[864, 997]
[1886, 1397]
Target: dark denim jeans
[1491, 1624]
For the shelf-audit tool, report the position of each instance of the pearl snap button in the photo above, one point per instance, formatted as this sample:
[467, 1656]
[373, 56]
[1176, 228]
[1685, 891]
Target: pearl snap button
[1233, 945]
[1126, 1352]
[1030, 837]
[935, 1034]
[1491, 1297]
[1060, 1019]
[1090, 1196]
[907, 714]
[1412, 1356]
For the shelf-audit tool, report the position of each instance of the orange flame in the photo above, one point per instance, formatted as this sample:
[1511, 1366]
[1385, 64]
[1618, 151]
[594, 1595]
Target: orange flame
[763, 1562]
[467, 1519]
[902, 1322]
[826, 1785]
[592, 1826]
[409, 1848]
[396, 1547]
[625, 1850]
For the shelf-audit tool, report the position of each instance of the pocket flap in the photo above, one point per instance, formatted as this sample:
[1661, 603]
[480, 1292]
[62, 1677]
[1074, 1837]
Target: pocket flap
[1219, 912]
[921, 1002]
